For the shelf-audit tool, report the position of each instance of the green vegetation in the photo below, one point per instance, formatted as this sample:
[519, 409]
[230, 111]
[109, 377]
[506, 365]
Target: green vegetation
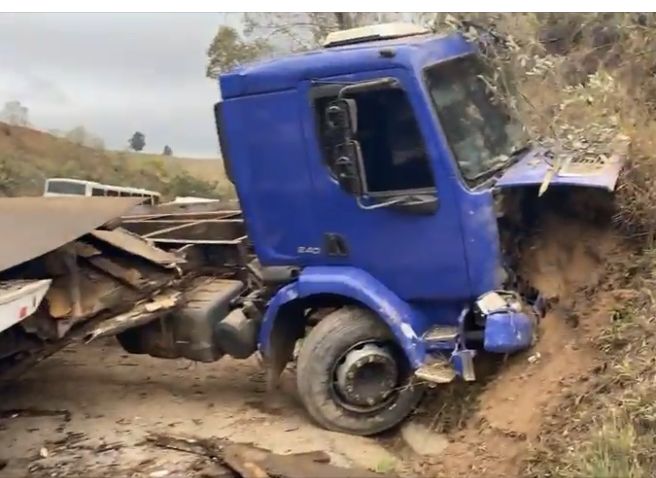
[28, 157]
[385, 465]
[137, 141]
[581, 82]
[272, 34]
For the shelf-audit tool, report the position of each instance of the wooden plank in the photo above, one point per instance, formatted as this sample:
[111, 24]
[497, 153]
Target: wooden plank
[136, 245]
[249, 461]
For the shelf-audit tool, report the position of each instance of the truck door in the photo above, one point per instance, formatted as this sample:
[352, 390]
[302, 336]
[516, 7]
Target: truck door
[418, 254]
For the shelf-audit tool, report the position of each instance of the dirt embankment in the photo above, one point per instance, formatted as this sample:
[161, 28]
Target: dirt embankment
[570, 260]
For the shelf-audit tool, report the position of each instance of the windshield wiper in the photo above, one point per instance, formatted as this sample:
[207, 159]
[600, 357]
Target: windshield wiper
[497, 166]
[512, 158]
[515, 153]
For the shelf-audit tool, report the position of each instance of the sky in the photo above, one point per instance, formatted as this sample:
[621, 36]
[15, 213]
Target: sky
[115, 73]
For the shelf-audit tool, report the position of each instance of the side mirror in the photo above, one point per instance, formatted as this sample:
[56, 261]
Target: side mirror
[342, 115]
[347, 161]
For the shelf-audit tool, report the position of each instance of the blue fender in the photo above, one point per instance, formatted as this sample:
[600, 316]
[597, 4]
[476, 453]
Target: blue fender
[360, 286]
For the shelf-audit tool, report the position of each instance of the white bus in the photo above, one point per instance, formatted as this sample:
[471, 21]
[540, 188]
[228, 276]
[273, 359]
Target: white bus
[80, 187]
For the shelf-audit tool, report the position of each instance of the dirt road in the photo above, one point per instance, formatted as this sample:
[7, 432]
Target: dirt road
[115, 399]
[108, 401]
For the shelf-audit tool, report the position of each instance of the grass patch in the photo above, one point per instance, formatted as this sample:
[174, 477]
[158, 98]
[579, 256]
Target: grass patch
[620, 442]
[607, 428]
[385, 465]
[611, 453]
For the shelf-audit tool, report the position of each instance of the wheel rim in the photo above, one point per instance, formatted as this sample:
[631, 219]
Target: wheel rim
[366, 377]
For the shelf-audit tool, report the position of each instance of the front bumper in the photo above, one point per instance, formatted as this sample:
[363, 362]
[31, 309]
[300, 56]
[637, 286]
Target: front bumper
[508, 327]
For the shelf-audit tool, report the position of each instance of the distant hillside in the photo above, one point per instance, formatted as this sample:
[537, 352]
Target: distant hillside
[28, 157]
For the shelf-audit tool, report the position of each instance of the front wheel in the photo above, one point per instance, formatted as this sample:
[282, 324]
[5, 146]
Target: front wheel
[351, 375]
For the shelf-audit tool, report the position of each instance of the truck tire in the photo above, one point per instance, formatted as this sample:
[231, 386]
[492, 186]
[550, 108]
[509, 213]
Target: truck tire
[351, 375]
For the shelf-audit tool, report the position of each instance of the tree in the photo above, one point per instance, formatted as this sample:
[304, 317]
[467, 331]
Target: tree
[269, 34]
[306, 30]
[229, 49]
[184, 184]
[167, 151]
[137, 141]
[15, 114]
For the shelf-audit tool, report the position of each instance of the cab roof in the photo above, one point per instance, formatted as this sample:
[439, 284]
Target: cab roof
[286, 72]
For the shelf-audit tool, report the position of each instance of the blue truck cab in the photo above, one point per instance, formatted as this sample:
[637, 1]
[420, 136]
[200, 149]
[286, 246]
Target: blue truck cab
[366, 174]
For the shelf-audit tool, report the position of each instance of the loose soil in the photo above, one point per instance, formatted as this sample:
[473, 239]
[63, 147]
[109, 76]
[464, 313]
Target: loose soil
[568, 261]
[115, 400]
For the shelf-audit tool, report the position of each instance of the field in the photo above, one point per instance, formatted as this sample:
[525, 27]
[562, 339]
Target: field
[28, 157]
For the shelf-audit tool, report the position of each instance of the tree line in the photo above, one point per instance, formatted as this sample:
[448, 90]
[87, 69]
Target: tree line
[14, 113]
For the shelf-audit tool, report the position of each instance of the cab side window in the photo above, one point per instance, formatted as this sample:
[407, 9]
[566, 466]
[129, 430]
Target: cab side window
[393, 150]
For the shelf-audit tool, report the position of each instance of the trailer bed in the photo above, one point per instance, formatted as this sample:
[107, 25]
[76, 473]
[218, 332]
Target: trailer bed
[107, 273]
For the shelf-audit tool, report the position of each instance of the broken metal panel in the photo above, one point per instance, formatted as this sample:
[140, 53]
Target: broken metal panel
[145, 226]
[104, 276]
[33, 226]
[105, 271]
[85, 250]
[538, 168]
[97, 292]
[185, 216]
[104, 285]
[140, 314]
[136, 245]
[174, 207]
[115, 278]
[209, 231]
[127, 275]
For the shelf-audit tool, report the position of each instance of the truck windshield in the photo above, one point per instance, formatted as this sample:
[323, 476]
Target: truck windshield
[482, 134]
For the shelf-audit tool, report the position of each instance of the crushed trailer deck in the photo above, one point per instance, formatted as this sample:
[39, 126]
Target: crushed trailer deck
[107, 272]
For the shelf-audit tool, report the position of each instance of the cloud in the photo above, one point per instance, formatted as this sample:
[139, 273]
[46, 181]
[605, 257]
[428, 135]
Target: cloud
[114, 73]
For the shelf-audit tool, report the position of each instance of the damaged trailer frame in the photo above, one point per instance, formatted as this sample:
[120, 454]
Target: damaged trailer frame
[91, 279]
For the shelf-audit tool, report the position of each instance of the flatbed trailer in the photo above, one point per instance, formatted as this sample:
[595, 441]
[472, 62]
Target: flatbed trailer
[122, 275]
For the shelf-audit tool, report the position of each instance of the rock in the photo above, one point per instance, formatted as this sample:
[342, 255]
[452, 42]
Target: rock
[159, 474]
[422, 440]
[534, 358]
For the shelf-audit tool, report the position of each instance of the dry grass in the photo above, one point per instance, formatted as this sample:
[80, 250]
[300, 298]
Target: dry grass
[609, 453]
[28, 157]
[606, 427]
[580, 81]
